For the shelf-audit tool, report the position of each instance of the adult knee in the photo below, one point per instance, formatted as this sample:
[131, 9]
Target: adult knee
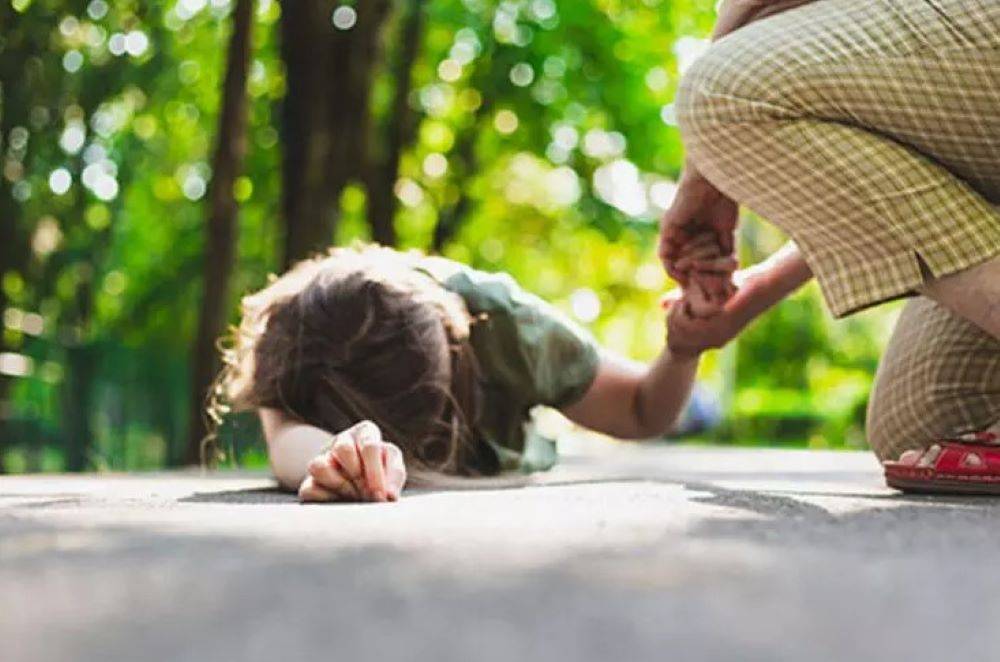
[697, 107]
[735, 82]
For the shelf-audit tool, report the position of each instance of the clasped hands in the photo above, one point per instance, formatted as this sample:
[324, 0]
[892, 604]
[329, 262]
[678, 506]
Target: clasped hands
[697, 249]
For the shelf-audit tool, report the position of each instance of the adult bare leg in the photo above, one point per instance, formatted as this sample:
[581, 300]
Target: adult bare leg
[973, 294]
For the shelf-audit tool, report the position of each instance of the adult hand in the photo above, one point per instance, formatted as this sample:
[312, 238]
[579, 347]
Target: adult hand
[698, 207]
[359, 466]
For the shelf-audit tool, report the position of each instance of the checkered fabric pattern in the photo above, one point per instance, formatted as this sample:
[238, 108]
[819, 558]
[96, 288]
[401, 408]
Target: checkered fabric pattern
[869, 130]
[939, 378]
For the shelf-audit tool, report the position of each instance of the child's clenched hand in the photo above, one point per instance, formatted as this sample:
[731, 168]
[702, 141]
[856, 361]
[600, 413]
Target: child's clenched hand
[359, 466]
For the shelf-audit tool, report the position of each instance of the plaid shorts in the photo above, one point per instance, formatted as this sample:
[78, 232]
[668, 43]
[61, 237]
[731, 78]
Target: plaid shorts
[869, 131]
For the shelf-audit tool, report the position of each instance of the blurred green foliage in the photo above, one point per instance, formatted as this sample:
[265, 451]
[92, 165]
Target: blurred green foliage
[550, 120]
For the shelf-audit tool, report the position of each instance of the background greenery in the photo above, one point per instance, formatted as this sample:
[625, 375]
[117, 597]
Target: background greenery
[532, 136]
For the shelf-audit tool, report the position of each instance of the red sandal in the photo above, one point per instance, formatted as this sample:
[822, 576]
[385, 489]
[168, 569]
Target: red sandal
[969, 464]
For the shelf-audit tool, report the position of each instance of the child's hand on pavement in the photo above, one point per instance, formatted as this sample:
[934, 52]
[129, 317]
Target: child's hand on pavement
[359, 466]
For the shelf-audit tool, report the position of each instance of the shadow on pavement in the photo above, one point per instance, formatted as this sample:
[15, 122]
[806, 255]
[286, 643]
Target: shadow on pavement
[252, 496]
[903, 525]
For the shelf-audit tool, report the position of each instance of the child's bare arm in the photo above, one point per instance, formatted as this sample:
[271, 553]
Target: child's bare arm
[353, 465]
[630, 400]
[635, 401]
[291, 446]
[758, 289]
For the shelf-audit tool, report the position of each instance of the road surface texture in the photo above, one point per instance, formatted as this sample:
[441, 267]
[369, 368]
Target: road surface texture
[623, 553]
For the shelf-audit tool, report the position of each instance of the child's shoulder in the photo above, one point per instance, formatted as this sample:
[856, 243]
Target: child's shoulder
[483, 291]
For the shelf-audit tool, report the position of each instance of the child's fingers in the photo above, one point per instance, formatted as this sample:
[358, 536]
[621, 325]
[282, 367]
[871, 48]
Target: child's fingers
[395, 471]
[369, 440]
[325, 472]
[694, 295]
[310, 492]
[706, 310]
[708, 295]
[717, 287]
[699, 302]
[346, 452]
[681, 324]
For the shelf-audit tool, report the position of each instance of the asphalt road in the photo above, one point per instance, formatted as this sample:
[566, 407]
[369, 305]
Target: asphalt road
[629, 553]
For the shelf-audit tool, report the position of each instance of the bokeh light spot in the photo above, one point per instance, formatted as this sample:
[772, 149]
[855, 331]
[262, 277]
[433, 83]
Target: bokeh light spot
[585, 304]
[409, 192]
[505, 122]
[521, 74]
[60, 181]
[449, 70]
[435, 165]
[344, 17]
[72, 61]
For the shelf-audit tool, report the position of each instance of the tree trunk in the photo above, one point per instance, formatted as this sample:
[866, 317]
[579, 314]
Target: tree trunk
[328, 73]
[221, 239]
[4, 380]
[398, 128]
[11, 259]
[78, 405]
[13, 242]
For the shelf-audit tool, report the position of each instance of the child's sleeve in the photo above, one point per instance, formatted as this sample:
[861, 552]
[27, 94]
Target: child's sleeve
[525, 343]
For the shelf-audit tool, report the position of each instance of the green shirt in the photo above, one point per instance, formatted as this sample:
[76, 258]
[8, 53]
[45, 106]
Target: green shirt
[529, 354]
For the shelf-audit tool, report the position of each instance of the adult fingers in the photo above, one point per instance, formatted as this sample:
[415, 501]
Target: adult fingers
[369, 440]
[695, 255]
[699, 240]
[713, 264]
[727, 237]
[676, 231]
[671, 244]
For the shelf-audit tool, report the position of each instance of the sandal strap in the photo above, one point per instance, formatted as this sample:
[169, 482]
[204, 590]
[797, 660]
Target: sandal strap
[952, 459]
[985, 438]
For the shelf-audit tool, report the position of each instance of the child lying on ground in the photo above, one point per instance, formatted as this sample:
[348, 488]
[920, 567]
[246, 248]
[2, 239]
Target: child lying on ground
[367, 363]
